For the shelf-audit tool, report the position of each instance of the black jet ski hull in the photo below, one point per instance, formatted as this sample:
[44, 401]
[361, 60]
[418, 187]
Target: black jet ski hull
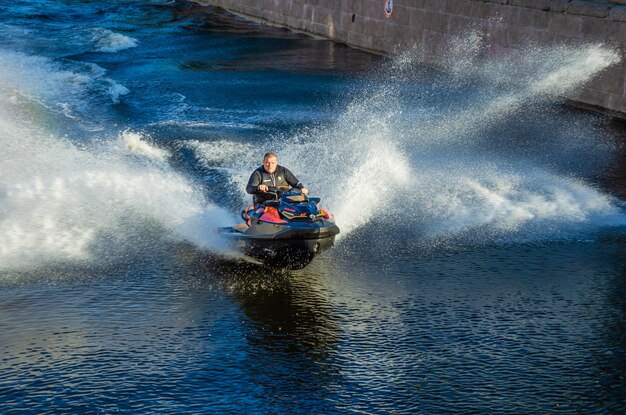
[286, 246]
[294, 254]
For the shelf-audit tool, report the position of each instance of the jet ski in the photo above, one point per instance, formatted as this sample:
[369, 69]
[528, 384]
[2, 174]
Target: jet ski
[286, 232]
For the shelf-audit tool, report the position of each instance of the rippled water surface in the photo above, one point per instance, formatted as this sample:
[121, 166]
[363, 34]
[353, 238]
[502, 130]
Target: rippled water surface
[481, 265]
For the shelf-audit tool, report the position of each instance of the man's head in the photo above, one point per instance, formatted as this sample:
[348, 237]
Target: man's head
[270, 162]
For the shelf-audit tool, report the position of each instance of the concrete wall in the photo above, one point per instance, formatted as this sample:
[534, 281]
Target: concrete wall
[509, 25]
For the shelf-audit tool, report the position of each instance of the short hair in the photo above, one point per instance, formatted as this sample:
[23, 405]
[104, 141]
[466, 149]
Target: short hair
[270, 154]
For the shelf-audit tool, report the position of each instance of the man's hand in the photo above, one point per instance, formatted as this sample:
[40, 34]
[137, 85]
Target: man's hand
[304, 191]
[263, 188]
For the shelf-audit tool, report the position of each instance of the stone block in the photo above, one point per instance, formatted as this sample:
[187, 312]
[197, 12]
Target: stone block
[297, 9]
[560, 40]
[345, 21]
[368, 43]
[517, 37]
[279, 18]
[330, 4]
[565, 24]
[374, 27]
[417, 4]
[610, 80]
[537, 19]
[282, 7]
[407, 36]
[294, 23]
[418, 19]
[351, 6]
[341, 35]
[318, 29]
[458, 25]
[307, 13]
[436, 22]
[588, 8]
[539, 37]
[558, 6]
[498, 35]
[359, 25]
[617, 103]
[380, 45]
[334, 15]
[616, 31]
[434, 47]
[513, 37]
[483, 10]
[618, 13]
[509, 15]
[401, 15]
[458, 7]
[531, 4]
[392, 33]
[266, 14]
[267, 4]
[414, 37]
[307, 26]
[373, 9]
[435, 5]
[592, 96]
[497, 1]
[321, 15]
[593, 28]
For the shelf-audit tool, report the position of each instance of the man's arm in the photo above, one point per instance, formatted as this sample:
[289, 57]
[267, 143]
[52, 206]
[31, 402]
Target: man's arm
[292, 180]
[254, 182]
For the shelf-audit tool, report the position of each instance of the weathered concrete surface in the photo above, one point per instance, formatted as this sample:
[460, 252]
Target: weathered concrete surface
[430, 24]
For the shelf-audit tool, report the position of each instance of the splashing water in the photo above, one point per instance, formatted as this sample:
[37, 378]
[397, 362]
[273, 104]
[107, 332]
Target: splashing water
[110, 42]
[91, 205]
[424, 158]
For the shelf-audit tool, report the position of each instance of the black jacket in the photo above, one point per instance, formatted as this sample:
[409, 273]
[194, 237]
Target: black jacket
[281, 177]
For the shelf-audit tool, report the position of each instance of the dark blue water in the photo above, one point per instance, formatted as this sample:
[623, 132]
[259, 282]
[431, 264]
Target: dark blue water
[481, 266]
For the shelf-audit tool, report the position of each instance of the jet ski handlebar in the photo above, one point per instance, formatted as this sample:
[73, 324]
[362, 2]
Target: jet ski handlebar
[279, 191]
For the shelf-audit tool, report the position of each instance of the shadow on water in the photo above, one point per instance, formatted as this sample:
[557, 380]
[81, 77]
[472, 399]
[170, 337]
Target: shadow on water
[290, 309]
[292, 329]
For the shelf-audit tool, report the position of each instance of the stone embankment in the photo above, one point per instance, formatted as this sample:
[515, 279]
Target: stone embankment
[509, 26]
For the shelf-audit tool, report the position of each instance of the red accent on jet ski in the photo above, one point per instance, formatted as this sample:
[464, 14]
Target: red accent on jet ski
[271, 215]
[327, 214]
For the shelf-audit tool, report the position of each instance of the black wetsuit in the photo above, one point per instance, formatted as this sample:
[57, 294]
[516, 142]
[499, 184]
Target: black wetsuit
[281, 177]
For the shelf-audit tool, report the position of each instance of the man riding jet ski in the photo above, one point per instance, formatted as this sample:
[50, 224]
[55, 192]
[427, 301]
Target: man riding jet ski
[284, 227]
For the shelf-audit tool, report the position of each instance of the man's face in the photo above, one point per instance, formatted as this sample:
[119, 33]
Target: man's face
[270, 163]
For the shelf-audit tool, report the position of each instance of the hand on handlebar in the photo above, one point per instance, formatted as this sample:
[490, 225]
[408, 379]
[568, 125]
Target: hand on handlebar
[264, 188]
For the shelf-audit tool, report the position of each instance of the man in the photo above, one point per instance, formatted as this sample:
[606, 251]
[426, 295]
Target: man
[271, 174]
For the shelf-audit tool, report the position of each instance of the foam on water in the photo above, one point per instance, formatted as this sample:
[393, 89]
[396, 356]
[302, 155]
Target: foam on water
[78, 91]
[135, 143]
[110, 42]
[94, 204]
[433, 173]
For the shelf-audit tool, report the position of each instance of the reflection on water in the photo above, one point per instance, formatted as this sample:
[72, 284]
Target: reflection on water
[189, 331]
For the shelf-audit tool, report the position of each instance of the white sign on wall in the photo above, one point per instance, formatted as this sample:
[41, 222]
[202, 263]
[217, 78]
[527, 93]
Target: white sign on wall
[388, 7]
